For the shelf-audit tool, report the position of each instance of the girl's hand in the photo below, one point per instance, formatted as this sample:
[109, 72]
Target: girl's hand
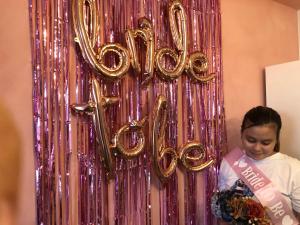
[221, 222]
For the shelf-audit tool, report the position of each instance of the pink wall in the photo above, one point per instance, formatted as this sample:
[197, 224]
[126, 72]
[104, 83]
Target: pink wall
[256, 33]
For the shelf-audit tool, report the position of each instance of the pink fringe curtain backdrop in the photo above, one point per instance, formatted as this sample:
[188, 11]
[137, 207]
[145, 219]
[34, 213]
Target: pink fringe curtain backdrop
[71, 186]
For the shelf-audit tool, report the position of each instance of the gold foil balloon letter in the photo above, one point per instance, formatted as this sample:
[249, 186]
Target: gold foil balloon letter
[162, 154]
[194, 162]
[198, 64]
[86, 28]
[145, 32]
[95, 108]
[134, 126]
[177, 19]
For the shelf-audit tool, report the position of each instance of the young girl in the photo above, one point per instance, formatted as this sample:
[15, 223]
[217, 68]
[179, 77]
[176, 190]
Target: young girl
[260, 162]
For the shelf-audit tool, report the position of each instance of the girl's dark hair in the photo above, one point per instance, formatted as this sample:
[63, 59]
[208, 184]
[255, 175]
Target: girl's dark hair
[262, 115]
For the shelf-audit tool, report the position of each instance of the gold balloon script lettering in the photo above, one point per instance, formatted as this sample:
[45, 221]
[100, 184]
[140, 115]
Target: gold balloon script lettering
[86, 25]
[192, 155]
[158, 135]
[165, 159]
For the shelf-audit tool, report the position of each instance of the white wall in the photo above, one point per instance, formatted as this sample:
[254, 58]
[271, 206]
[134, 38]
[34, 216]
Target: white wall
[283, 94]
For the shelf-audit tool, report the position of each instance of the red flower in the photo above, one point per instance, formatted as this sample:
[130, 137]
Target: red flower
[254, 209]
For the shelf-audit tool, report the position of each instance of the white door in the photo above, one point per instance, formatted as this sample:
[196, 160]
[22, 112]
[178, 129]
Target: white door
[283, 94]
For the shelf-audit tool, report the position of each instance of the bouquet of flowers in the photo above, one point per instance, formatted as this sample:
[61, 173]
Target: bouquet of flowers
[238, 206]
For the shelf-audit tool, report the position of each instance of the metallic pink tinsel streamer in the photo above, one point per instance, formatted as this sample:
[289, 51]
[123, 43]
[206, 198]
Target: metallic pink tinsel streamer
[207, 100]
[169, 207]
[50, 66]
[52, 37]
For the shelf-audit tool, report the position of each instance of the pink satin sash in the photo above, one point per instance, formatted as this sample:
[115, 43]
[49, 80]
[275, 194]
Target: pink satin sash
[277, 208]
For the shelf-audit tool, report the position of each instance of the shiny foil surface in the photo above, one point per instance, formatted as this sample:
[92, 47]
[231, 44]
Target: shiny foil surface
[71, 182]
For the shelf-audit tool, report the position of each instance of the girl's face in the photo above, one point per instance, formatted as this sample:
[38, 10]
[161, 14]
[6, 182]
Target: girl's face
[259, 141]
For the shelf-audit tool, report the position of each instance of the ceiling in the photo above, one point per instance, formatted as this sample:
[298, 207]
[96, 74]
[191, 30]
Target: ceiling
[292, 3]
